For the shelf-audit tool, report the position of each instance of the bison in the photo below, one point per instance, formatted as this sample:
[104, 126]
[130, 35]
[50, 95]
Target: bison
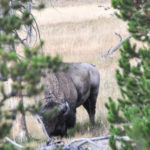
[65, 90]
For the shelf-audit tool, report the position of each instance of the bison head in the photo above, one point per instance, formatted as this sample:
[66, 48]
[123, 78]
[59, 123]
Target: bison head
[54, 117]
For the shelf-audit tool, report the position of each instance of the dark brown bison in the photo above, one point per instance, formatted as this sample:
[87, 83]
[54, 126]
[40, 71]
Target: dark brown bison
[64, 92]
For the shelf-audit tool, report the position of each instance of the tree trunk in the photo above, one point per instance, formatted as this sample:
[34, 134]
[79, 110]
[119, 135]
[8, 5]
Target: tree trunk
[20, 131]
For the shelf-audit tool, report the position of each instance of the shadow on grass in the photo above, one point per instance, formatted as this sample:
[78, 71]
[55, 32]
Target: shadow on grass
[85, 127]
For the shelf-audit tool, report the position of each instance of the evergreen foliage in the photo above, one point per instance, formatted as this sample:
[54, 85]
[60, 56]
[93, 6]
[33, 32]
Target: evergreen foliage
[130, 115]
[25, 72]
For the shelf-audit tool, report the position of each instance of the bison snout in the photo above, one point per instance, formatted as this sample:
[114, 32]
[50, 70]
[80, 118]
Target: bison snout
[65, 108]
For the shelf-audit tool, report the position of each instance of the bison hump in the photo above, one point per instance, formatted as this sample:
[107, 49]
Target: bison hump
[61, 87]
[51, 84]
[67, 87]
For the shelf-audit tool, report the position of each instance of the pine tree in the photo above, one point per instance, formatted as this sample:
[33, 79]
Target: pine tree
[130, 115]
[26, 71]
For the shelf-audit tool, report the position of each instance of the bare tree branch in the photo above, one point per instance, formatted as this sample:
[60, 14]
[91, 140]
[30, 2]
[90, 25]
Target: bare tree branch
[94, 139]
[112, 50]
[14, 143]
[30, 30]
[11, 94]
[91, 142]
[85, 140]
[43, 127]
[117, 34]
[72, 146]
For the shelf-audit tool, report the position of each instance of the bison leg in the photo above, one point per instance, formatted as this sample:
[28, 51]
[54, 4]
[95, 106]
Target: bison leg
[90, 105]
[71, 119]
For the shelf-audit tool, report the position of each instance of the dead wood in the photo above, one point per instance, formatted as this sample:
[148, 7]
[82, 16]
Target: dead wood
[43, 127]
[14, 143]
[113, 49]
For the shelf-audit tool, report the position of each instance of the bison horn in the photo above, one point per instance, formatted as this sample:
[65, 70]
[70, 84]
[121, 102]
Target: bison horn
[65, 108]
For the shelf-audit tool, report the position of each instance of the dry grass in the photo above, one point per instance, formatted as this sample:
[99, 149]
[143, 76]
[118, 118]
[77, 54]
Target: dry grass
[82, 34]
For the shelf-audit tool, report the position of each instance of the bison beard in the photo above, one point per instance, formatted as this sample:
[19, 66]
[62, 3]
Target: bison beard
[64, 92]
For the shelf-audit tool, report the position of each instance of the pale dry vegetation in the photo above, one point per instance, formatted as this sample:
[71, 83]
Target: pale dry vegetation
[83, 32]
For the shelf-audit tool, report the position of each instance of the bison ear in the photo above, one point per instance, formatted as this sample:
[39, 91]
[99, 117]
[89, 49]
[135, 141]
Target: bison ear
[65, 108]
